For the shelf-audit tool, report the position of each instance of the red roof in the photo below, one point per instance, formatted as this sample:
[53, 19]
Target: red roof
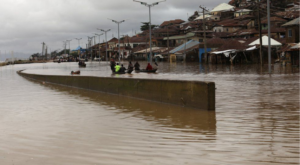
[273, 19]
[176, 21]
[288, 14]
[113, 40]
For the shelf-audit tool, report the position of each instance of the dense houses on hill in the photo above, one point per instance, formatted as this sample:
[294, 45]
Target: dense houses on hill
[228, 29]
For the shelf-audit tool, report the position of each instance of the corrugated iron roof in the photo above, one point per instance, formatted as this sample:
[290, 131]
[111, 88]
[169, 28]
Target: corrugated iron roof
[176, 21]
[188, 35]
[273, 19]
[293, 22]
[265, 42]
[223, 7]
[184, 46]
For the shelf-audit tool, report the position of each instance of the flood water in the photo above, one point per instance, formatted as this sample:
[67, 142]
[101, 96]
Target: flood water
[256, 119]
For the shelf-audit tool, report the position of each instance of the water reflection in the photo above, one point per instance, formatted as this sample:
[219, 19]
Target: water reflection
[182, 118]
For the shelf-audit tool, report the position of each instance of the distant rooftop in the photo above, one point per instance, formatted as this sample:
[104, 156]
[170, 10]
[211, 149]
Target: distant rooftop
[223, 7]
[293, 22]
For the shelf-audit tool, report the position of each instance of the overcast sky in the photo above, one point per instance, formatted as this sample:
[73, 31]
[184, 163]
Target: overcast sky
[25, 24]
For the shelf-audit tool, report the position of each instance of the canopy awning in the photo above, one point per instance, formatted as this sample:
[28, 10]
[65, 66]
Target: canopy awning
[251, 48]
[265, 42]
[225, 52]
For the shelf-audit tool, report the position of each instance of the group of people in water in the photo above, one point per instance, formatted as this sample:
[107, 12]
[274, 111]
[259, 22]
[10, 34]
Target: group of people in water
[81, 63]
[115, 67]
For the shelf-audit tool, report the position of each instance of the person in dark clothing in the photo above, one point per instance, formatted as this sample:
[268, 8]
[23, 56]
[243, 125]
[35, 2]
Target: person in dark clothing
[149, 67]
[122, 69]
[137, 66]
[112, 65]
[130, 66]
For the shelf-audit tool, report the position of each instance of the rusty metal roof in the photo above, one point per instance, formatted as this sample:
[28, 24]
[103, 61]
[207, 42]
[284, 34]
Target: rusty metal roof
[293, 22]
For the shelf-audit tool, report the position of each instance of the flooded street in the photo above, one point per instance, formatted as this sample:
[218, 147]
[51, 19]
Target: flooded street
[256, 119]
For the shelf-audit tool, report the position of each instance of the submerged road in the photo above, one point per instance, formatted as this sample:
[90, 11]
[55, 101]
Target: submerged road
[256, 119]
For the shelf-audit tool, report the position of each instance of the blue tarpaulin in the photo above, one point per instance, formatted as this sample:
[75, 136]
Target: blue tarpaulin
[202, 51]
[79, 48]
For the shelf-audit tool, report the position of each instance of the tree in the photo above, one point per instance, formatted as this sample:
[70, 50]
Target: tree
[145, 26]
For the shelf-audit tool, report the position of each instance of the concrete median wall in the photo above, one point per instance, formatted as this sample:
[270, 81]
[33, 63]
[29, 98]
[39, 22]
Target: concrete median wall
[195, 94]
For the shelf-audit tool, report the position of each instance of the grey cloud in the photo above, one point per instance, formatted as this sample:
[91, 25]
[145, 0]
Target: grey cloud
[27, 23]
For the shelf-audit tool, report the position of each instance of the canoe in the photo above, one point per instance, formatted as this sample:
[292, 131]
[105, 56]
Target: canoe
[146, 71]
[129, 72]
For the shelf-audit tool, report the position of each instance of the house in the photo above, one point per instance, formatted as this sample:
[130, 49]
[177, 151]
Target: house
[142, 54]
[223, 10]
[183, 38]
[175, 23]
[229, 26]
[275, 22]
[241, 12]
[194, 16]
[288, 15]
[292, 31]
[182, 52]
[290, 54]
[293, 6]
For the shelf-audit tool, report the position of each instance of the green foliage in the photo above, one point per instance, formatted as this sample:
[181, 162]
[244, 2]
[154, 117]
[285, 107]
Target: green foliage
[74, 54]
[35, 54]
[145, 26]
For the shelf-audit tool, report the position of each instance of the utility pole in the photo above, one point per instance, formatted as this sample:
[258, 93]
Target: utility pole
[260, 34]
[99, 43]
[78, 39]
[269, 37]
[46, 52]
[168, 41]
[118, 22]
[43, 48]
[69, 46]
[65, 45]
[90, 40]
[204, 32]
[105, 31]
[150, 35]
[123, 44]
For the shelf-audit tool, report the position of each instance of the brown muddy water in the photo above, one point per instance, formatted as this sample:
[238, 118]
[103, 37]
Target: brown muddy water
[256, 119]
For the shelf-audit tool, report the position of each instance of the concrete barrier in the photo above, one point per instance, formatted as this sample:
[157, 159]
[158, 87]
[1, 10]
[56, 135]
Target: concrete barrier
[195, 94]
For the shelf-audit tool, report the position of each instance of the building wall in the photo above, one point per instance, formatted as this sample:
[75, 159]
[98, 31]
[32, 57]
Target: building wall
[231, 29]
[250, 25]
[240, 14]
[195, 94]
[295, 34]
[218, 29]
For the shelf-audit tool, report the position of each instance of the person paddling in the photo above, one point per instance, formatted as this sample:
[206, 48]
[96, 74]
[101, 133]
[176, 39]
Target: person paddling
[112, 65]
[137, 66]
[130, 67]
[122, 69]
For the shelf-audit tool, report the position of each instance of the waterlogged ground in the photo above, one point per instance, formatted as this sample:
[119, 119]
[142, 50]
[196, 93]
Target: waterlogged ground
[256, 119]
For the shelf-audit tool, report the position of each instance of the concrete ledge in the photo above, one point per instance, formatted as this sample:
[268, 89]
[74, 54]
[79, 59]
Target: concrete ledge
[194, 94]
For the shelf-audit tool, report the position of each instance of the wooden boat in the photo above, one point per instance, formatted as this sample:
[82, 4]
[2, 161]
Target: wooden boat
[146, 71]
[82, 65]
[76, 72]
[129, 72]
